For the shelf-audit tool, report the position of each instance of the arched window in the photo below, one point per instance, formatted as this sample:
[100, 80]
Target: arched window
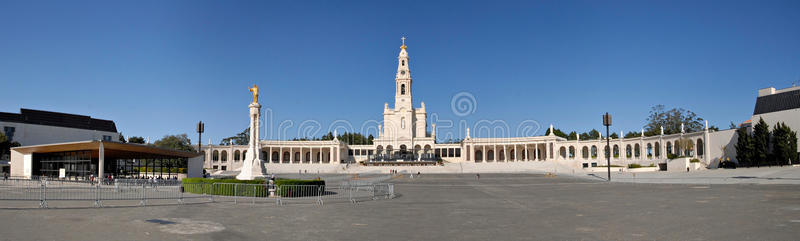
[478, 156]
[563, 152]
[244, 153]
[594, 151]
[402, 89]
[585, 152]
[489, 155]
[224, 156]
[700, 147]
[649, 150]
[616, 151]
[286, 157]
[571, 152]
[275, 157]
[512, 155]
[637, 151]
[669, 148]
[658, 149]
[297, 157]
[404, 62]
[215, 156]
[308, 157]
[237, 155]
[628, 151]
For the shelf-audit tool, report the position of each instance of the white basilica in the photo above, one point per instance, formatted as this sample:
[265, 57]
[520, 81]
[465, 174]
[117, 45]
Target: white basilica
[404, 141]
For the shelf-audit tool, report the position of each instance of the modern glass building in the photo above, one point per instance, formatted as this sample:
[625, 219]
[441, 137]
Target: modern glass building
[80, 160]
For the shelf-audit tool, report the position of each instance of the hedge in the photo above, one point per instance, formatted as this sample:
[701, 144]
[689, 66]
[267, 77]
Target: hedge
[206, 186]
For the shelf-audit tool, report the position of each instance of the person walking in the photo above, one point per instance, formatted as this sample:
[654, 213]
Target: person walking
[5, 176]
[478, 175]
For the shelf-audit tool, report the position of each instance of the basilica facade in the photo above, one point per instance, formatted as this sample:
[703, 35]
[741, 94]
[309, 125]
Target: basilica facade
[405, 139]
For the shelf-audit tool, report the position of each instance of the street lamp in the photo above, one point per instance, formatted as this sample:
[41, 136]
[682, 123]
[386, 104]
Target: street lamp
[201, 127]
[607, 123]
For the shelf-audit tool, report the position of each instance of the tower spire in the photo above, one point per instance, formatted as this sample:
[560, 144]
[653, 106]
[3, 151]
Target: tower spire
[404, 42]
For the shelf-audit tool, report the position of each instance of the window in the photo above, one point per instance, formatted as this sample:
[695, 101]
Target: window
[350, 152]
[458, 152]
[451, 152]
[594, 164]
[403, 122]
[106, 138]
[585, 165]
[404, 62]
[215, 167]
[224, 168]
[402, 89]
[9, 130]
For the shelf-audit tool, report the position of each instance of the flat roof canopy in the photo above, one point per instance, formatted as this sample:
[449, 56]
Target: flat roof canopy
[112, 150]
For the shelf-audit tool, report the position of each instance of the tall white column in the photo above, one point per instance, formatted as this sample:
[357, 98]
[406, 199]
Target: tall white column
[101, 160]
[536, 152]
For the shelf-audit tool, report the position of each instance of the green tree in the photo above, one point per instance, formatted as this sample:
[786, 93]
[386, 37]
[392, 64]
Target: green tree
[556, 132]
[593, 135]
[176, 142]
[614, 135]
[633, 134]
[6, 145]
[671, 121]
[242, 138]
[572, 136]
[784, 147]
[121, 137]
[761, 138]
[744, 147]
[732, 125]
[136, 139]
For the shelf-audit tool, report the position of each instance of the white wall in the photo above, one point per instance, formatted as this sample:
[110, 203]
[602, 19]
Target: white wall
[789, 117]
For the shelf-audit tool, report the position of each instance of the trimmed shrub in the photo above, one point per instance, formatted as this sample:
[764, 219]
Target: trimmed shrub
[694, 160]
[254, 188]
[634, 165]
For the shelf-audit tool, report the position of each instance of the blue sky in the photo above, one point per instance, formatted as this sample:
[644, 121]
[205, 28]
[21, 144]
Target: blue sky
[158, 67]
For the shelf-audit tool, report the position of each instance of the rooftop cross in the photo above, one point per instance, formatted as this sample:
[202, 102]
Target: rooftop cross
[404, 40]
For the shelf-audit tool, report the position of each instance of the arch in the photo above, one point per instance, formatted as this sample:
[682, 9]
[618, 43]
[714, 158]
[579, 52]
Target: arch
[307, 157]
[649, 150]
[594, 151]
[585, 152]
[700, 150]
[501, 154]
[677, 147]
[296, 157]
[657, 150]
[669, 148]
[402, 89]
[616, 151]
[244, 154]
[403, 62]
[606, 152]
[628, 151]
[224, 156]
[571, 152]
[402, 147]
[417, 149]
[489, 155]
[637, 150]
[286, 157]
[319, 157]
[215, 156]
[237, 155]
[379, 150]
[513, 155]
[562, 152]
[478, 156]
[275, 157]
[427, 149]
[389, 150]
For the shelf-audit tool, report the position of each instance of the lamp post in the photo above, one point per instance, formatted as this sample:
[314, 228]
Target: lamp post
[607, 123]
[201, 127]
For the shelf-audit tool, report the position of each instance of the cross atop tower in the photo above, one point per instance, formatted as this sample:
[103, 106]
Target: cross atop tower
[404, 42]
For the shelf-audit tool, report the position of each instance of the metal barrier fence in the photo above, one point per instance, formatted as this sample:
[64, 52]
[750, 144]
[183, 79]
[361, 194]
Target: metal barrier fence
[44, 191]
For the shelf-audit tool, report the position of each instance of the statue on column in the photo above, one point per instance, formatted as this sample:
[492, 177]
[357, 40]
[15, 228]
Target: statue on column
[254, 89]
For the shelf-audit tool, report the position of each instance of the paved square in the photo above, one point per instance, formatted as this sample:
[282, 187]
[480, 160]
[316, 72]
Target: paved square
[451, 207]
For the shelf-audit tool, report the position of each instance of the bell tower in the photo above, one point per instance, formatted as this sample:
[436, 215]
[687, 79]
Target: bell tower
[402, 96]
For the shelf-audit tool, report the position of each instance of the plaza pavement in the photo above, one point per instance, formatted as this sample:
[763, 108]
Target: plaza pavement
[761, 175]
[451, 207]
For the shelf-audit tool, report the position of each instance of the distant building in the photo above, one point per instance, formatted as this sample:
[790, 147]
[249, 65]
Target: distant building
[36, 127]
[778, 106]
